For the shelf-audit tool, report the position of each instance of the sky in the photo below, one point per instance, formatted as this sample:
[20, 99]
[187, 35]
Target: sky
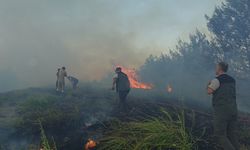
[88, 37]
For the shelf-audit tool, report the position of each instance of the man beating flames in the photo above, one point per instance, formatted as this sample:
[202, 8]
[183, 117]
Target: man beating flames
[223, 89]
[122, 85]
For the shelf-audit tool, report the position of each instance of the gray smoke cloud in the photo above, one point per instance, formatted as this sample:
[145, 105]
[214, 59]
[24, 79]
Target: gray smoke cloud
[88, 36]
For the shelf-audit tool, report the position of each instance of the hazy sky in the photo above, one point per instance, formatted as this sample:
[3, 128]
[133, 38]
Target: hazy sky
[89, 36]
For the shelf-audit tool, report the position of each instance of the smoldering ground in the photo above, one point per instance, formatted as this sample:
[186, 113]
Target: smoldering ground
[89, 37]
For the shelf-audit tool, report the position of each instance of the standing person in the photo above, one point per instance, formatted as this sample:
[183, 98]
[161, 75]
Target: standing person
[57, 79]
[122, 85]
[223, 89]
[61, 81]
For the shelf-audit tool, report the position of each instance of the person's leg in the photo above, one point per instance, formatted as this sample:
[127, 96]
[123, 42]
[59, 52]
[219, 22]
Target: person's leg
[233, 132]
[122, 102]
[63, 86]
[220, 132]
[57, 85]
[120, 105]
[125, 100]
[74, 85]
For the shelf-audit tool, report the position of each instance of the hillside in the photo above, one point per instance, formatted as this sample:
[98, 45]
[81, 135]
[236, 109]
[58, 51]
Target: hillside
[89, 112]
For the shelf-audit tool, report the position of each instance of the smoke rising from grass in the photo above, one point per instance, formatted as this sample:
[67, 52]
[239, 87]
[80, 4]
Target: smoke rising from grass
[87, 36]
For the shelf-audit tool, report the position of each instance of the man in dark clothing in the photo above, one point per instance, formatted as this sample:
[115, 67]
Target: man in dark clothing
[122, 85]
[223, 89]
[74, 81]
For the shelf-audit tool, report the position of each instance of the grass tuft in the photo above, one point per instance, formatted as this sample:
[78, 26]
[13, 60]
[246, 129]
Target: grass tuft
[153, 134]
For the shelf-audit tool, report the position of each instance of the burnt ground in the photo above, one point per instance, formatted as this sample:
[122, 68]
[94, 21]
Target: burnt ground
[88, 112]
[197, 121]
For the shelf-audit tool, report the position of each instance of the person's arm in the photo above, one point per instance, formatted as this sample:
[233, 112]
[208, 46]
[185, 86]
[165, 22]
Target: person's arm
[115, 78]
[210, 91]
[213, 86]
[114, 82]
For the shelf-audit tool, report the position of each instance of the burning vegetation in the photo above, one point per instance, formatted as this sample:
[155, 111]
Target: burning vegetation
[90, 145]
[135, 80]
[154, 121]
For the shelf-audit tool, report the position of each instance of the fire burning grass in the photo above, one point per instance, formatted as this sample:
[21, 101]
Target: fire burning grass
[134, 79]
[142, 128]
[135, 82]
[90, 145]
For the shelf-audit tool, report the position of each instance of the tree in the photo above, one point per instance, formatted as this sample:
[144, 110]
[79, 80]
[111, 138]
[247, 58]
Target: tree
[188, 64]
[192, 63]
[230, 24]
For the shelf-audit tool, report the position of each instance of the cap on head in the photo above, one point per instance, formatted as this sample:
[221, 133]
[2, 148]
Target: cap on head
[223, 66]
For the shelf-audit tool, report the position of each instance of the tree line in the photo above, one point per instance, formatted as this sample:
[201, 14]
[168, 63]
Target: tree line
[190, 65]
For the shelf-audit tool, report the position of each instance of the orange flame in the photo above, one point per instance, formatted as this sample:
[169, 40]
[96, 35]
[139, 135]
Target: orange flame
[169, 89]
[134, 79]
[91, 144]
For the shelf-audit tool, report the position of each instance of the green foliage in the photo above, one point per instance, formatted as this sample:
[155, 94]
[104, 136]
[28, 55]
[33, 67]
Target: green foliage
[35, 108]
[155, 133]
[230, 26]
[189, 61]
[63, 116]
[245, 135]
[194, 60]
[44, 140]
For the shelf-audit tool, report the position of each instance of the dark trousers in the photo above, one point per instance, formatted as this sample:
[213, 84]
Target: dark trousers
[123, 100]
[74, 85]
[57, 84]
[225, 130]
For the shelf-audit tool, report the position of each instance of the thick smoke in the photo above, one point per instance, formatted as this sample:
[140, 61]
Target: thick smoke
[87, 36]
[192, 63]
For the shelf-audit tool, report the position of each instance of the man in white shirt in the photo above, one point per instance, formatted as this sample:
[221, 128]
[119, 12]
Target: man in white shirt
[223, 89]
[61, 79]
